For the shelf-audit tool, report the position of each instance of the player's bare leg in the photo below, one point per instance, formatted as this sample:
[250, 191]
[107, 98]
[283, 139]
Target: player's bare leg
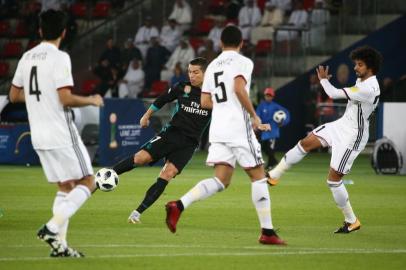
[142, 157]
[262, 202]
[341, 198]
[168, 172]
[293, 156]
[200, 191]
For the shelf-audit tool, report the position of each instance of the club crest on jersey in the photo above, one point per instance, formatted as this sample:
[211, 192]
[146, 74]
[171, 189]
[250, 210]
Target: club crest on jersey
[187, 89]
[354, 89]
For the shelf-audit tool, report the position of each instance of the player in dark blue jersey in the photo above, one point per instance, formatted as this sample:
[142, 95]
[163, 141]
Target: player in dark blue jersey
[179, 138]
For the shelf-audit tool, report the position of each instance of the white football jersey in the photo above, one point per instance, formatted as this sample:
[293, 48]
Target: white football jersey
[41, 72]
[230, 121]
[363, 98]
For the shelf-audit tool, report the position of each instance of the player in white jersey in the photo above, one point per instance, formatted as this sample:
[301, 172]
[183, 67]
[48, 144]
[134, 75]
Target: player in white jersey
[43, 80]
[226, 89]
[346, 136]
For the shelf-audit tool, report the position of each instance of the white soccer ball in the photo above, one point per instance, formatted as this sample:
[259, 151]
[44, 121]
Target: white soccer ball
[279, 116]
[106, 179]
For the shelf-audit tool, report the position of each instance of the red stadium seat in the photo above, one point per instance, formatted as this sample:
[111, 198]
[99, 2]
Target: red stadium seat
[157, 88]
[12, 49]
[261, 5]
[101, 10]
[4, 28]
[4, 69]
[21, 29]
[263, 46]
[89, 86]
[79, 10]
[196, 42]
[205, 25]
[308, 4]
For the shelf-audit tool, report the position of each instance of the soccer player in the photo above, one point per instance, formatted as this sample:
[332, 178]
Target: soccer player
[43, 80]
[266, 110]
[346, 136]
[225, 89]
[177, 141]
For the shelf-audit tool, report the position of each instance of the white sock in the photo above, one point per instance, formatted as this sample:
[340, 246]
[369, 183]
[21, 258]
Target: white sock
[292, 157]
[59, 198]
[262, 202]
[202, 190]
[342, 200]
[73, 201]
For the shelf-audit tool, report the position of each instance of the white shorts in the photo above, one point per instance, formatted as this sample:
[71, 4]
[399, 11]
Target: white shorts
[248, 155]
[342, 157]
[64, 164]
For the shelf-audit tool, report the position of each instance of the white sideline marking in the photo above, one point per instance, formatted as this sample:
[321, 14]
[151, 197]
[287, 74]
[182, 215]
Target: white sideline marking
[272, 252]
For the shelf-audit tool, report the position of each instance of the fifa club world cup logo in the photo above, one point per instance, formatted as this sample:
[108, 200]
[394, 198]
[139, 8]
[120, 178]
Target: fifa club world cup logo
[20, 138]
[113, 142]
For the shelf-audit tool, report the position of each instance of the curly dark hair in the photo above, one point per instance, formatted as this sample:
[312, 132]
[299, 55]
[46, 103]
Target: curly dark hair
[371, 57]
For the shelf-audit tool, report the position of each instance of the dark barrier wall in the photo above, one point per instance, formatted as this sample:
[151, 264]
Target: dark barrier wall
[389, 40]
[120, 132]
[15, 145]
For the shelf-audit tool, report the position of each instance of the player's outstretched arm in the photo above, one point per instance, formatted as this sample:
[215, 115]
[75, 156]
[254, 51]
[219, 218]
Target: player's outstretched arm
[16, 94]
[144, 121]
[205, 101]
[70, 100]
[331, 91]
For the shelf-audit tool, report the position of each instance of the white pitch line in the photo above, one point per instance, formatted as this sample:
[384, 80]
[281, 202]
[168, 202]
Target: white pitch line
[257, 247]
[211, 254]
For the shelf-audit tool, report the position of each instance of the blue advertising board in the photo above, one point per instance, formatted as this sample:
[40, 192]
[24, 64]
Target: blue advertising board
[16, 146]
[120, 132]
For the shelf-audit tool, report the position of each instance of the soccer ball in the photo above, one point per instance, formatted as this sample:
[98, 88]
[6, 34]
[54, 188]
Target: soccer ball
[106, 179]
[279, 116]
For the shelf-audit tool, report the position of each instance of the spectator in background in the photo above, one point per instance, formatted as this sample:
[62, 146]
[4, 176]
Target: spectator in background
[112, 54]
[297, 20]
[400, 89]
[30, 14]
[183, 54]
[182, 14]
[170, 35]
[207, 51]
[387, 90]
[52, 4]
[273, 16]
[233, 8]
[144, 35]
[157, 56]
[109, 77]
[133, 81]
[266, 111]
[215, 35]
[319, 19]
[284, 5]
[129, 53]
[248, 17]
[178, 75]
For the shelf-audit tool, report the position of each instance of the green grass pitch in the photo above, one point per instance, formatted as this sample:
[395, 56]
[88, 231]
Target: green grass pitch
[218, 233]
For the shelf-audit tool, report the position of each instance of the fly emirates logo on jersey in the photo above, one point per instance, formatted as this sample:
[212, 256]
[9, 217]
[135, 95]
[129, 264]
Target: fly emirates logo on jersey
[194, 108]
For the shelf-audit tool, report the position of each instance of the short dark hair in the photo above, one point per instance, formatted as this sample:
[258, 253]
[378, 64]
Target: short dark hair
[371, 57]
[52, 24]
[199, 61]
[231, 36]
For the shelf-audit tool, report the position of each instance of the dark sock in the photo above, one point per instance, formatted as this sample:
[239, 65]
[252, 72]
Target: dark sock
[268, 232]
[152, 194]
[125, 165]
[179, 204]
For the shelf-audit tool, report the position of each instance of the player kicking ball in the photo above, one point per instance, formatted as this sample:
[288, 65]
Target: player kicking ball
[346, 136]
